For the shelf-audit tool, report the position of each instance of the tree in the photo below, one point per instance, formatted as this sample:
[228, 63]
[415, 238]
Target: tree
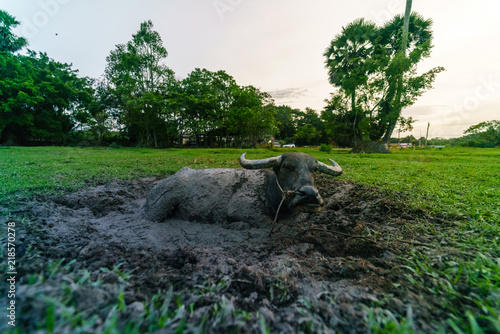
[310, 128]
[252, 116]
[206, 101]
[9, 42]
[96, 113]
[218, 112]
[349, 62]
[141, 83]
[37, 96]
[399, 59]
[339, 121]
[285, 121]
[488, 132]
[375, 79]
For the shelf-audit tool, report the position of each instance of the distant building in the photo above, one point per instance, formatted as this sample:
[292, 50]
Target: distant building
[401, 145]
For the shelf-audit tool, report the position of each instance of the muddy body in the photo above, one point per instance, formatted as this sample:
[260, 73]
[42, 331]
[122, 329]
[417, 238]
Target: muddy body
[212, 196]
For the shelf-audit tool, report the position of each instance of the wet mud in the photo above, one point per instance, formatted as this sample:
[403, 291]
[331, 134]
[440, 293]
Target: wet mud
[320, 272]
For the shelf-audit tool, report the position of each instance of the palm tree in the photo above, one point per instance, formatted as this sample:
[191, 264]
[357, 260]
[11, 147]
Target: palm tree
[374, 71]
[348, 60]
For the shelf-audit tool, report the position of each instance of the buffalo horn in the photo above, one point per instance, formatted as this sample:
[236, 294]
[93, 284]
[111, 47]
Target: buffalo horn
[262, 163]
[334, 170]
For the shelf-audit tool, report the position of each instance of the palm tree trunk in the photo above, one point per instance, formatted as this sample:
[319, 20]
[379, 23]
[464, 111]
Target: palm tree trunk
[399, 90]
[354, 111]
[406, 26]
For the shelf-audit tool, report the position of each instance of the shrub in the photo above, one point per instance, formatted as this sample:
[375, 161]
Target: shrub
[114, 145]
[325, 148]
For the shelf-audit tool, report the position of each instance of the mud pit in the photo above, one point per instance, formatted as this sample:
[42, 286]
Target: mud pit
[318, 272]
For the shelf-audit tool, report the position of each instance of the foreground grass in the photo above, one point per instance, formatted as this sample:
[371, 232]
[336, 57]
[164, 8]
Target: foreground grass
[458, 184]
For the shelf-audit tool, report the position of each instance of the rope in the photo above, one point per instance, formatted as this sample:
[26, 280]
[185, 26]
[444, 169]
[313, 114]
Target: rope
[284, 195]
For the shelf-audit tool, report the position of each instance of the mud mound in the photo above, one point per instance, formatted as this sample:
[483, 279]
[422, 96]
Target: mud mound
[316, 273]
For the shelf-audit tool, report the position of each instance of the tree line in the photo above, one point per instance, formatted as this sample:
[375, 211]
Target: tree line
[483, 135]
[139, 101]
[36, 92]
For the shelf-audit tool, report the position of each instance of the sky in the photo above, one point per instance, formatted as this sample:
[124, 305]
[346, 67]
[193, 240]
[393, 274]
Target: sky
[278, 46]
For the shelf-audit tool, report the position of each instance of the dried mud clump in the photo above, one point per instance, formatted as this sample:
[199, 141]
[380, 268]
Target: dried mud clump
[316, 273]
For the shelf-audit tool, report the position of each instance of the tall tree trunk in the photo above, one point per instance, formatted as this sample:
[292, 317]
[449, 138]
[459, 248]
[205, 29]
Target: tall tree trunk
[406, 26]
[397, 101]
[354, 111]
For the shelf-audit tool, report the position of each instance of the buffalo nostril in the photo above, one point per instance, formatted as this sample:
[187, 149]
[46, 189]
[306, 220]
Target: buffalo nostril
[309, 195]
[308, 191]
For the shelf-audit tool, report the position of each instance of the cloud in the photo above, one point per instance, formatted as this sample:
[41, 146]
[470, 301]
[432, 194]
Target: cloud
[288, 93]
[425, 110]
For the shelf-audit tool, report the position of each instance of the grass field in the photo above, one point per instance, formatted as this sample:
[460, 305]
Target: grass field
[461, 185]
[455, 181]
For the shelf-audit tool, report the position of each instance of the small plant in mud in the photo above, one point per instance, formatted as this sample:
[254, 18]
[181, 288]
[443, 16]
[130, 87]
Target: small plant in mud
[64, 298]
[382, 321]
[209, 286]
[279, 291]
[282, 286]
[122, 276]
[311, 319]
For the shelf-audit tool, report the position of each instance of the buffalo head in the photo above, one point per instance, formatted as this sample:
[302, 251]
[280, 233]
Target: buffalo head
[294, 175]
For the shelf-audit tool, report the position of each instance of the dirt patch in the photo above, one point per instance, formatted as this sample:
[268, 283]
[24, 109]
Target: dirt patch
[320, 272]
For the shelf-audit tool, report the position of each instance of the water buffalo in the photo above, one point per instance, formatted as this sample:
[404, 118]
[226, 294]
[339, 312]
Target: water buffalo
[251, 195]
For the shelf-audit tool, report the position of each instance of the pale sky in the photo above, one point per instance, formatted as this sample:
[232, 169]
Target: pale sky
[278, 45]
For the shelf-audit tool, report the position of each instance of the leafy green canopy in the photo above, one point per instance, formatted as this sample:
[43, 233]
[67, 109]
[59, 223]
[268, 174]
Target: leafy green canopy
[155, 109]
[374, 79]
[9, 42]
[217, 111]
[484, 134]
[141, 84]
[36, 92]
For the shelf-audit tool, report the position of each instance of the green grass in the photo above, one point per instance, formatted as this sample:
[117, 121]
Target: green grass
[459, 184]
[457, 181]
[34, 170]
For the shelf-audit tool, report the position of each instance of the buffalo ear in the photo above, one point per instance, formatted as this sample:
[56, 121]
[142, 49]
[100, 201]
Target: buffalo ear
[334, 170]
[261, 163]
